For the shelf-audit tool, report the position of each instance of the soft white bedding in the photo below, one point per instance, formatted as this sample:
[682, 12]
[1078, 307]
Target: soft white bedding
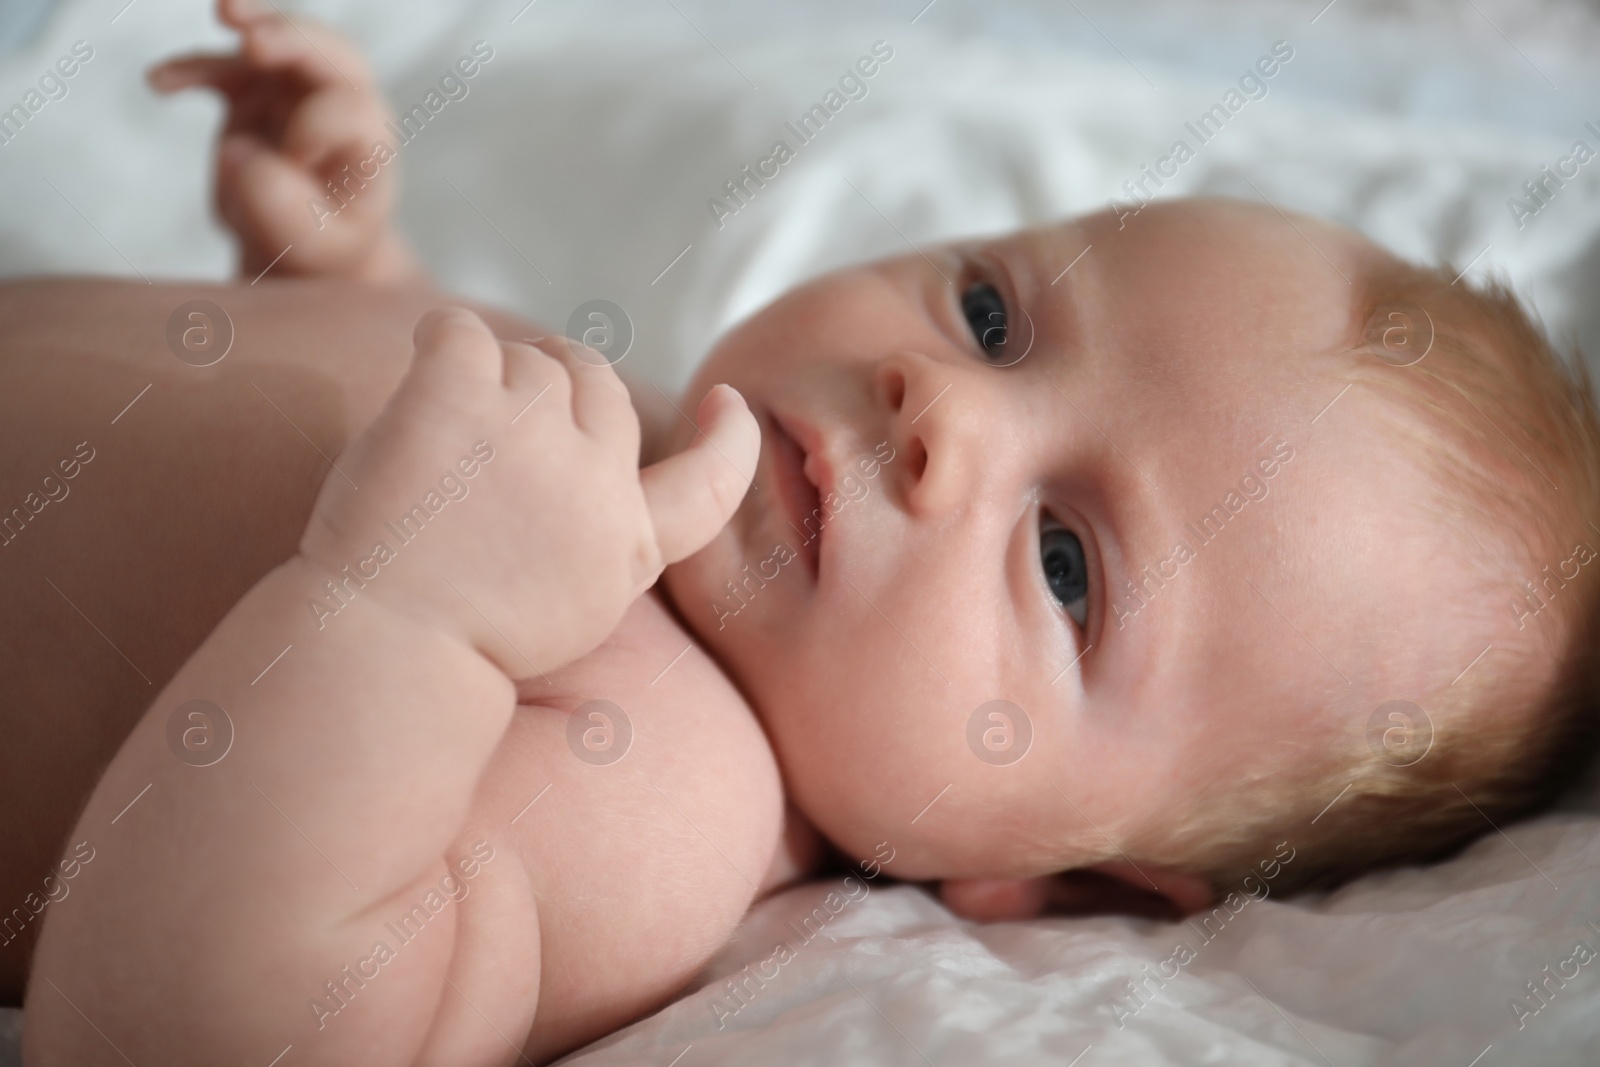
[580, 166]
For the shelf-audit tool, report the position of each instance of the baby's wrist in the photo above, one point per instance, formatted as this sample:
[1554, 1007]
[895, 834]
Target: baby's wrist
[331, 593]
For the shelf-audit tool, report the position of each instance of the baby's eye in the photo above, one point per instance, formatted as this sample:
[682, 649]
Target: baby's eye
[985, 310]
[1066, 570]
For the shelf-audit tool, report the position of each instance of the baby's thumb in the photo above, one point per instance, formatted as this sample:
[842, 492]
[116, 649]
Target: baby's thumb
[692, 495]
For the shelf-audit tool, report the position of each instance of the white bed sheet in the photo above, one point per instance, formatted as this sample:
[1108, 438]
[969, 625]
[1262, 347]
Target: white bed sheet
[580, 167]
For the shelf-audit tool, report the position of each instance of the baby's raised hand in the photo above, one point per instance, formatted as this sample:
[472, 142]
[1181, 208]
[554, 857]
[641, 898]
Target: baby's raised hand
[302, 108]
[498, 496]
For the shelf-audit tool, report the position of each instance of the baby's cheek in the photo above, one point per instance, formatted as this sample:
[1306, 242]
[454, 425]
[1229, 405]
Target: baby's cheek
[857, 745]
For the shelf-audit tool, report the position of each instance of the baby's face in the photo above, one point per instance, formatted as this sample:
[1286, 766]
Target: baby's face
[1152, 407]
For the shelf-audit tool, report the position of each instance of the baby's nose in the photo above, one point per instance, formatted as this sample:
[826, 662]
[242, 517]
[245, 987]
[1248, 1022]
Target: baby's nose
[936, 426]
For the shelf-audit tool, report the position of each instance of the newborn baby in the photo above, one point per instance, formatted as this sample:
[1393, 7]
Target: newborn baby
[1232, 549]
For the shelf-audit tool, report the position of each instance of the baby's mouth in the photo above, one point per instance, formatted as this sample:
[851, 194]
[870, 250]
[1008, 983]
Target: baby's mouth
[799, 496]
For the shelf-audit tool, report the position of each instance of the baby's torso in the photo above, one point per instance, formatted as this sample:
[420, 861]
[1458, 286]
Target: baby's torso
[626, 842]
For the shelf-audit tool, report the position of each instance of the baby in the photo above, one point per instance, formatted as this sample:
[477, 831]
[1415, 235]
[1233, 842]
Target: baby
[1174, 553]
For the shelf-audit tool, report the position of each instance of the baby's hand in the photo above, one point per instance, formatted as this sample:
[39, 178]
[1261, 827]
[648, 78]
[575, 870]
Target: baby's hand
[498, 496]
[302, 107]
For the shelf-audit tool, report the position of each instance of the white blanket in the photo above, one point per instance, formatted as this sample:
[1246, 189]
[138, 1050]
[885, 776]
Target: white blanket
[582, 164]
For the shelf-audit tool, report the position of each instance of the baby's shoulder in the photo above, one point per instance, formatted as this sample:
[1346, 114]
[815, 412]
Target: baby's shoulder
[638, 805]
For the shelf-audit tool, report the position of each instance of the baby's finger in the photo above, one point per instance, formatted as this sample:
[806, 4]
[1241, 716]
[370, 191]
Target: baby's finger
[307, 48]
[237, 13]
[693, 494]
[217, 71]
[266, 192]
[529, 370]
[331, 119]
[600, 404]
[454, 345]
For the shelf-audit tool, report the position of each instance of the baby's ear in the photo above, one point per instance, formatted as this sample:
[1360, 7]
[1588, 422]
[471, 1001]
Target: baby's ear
[1117, 888]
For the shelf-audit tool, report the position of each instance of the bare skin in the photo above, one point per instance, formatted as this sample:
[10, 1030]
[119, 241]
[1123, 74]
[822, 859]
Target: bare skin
[194, 494]
[549, 890]
[197, 492]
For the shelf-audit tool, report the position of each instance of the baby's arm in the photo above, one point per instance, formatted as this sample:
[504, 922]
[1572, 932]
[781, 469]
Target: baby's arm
[297, 176]
[237, 882]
